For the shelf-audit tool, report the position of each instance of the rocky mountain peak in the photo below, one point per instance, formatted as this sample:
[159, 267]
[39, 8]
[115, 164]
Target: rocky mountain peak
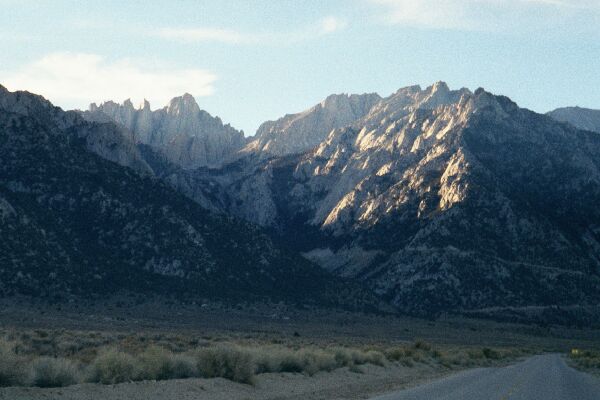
[25, 103]
[184, 105]
[128, 104]
[440, 94]
[185, 134]
[440, 86]
[335, 100]
[296, 133]
[439, 89]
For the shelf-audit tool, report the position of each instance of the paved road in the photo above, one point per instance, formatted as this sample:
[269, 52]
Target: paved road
[545, 377]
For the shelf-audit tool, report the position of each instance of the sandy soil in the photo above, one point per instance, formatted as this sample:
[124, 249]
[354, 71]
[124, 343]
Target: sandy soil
[339, 384]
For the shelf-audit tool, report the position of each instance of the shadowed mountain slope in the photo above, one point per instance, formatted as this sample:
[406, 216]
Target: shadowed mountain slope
[75, 224]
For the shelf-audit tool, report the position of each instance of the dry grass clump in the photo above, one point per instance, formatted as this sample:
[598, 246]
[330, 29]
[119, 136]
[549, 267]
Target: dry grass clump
[183, 366]
[53, 372]
[451, 357]
[230, 362]
[316, 360]
[348, 357]
[408, 355]
[310, 360]
[59, 358]
[112, 366]
[17, 370]
[157, 363]
[227, 361]
[12, 366]
[586, 359]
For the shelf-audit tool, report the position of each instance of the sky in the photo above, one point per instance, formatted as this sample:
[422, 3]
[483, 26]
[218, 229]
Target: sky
[249, 61]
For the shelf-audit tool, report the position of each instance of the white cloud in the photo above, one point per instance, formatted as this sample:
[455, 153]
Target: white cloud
[74, 79]
[426, 13]
[325, 26]
[477, 14]
[332, 24]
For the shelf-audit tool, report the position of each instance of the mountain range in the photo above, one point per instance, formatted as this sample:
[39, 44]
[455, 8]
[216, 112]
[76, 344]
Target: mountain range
[435, 200]
[438, 200]
[82, 215]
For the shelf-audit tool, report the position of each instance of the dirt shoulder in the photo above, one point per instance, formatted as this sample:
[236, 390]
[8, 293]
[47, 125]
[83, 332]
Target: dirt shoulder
[338, 384]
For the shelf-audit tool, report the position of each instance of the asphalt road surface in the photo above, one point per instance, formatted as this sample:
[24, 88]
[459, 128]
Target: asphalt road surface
[545, 377]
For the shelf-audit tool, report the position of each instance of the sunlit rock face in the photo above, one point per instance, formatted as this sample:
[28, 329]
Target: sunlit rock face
[297, 133]
[582, 118]
[440, 200]
[185, 134]
[75, 225]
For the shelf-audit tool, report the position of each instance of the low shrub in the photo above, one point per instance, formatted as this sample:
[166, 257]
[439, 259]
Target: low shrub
[285, 361]
[395, 353]
[267, 359]
[184, 366]
[157, 363]
[343, 357]
[375, 357]
[586, 359]
[346, 357]
[491, 354]
[228, 362]
[112, 366]
[12, 366]
[475, 354]
[316, 360]
[53, 372]
[169, 356]
[409, 355]
[422, 345]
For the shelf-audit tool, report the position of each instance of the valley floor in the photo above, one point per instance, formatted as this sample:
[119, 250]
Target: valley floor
[280, 322]
[412, 351]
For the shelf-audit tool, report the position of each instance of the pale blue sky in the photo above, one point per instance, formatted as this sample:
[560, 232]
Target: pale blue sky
[249, 61]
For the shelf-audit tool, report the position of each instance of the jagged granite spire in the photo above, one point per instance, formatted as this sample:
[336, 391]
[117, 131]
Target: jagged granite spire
[185, 134]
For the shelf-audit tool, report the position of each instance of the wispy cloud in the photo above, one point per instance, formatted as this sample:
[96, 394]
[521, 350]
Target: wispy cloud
[331, 24]
[207, 35]
[477, 14]
[325, 26]
[73, 79]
